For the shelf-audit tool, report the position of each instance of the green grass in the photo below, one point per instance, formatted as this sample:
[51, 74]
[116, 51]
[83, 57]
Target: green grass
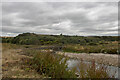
[111, 48]
[51, 66]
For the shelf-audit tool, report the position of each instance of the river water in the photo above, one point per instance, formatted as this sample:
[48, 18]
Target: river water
[112, 70]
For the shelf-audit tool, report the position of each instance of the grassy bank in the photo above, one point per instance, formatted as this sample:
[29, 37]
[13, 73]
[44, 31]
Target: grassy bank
[53, 66]
[15, 64]
[46, 64]
[110, 48]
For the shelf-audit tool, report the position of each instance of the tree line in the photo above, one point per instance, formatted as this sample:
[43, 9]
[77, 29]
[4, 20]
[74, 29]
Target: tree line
[38, 39]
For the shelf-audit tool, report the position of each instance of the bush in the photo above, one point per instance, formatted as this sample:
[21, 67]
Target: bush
[52, 66]
[111, 48]
[92, 43]
[111, 51]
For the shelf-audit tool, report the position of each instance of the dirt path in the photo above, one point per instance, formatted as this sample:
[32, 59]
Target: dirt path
[13, 65]
[108, 59]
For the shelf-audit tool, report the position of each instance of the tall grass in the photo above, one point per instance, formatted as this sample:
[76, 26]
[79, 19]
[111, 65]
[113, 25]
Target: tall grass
[92, 71]
[111, 48]
[8, 46]
[51, 66]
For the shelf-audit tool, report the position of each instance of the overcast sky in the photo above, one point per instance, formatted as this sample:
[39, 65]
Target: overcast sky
[68, 18]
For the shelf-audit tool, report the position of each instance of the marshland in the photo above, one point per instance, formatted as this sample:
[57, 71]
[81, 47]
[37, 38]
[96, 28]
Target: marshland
[59, 39]
[31, 55]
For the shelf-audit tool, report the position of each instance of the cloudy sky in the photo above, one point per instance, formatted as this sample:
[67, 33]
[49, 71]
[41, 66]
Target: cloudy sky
[68, 18]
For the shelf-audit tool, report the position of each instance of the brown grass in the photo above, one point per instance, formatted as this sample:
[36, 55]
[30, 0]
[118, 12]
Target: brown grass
[91, 70]
[14, 64]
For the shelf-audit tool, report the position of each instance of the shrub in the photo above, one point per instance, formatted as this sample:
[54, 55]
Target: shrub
[52, 66]
[92, 43]
[111, 48]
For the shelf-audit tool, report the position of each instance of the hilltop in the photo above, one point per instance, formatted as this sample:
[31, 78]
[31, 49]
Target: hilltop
[38, 39]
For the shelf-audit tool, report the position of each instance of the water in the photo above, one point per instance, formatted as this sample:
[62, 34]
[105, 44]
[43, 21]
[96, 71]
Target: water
[112, 70]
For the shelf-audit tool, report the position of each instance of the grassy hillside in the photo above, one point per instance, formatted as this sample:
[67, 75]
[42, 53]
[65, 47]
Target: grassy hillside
[36, 39]
[77, 44]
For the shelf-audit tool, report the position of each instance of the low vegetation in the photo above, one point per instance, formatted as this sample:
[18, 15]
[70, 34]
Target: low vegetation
[91, 70]
[78, 44]
[54, 66]
[45, 62]
[110, 48]
[36, 39]
[8, 46]
[14, 63]
[51, 65]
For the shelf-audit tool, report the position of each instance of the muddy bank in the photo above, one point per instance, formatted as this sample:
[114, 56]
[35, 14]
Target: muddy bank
[108, 59]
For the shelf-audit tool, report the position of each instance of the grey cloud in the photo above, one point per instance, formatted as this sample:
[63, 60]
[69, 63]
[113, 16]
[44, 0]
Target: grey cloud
[63, 17]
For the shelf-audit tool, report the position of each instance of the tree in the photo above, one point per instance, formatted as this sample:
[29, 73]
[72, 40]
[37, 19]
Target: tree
[61, 34]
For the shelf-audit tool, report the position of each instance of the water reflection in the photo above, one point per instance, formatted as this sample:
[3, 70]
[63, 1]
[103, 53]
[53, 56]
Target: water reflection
[112, 70]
